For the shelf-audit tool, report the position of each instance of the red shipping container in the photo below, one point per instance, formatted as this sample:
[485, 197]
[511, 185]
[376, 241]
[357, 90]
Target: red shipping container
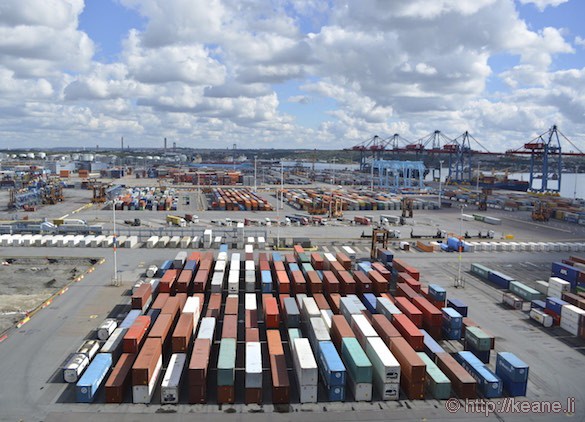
[199, 363]
[136, 335]
[289, 258]
[321, 301]
[432, 317]
[194, 256]
[401, 266]
[249, 256]
[280, 381]
[379, 283]
[183, 334]
[347, 284]
[200, 281]
[253, 395]
[182, 300]
[344, 260]
[230, 327]
[146, 362]
[340, 329]
[262, 257]
[408, 279]
[334, 300]
[274, 342]
[163, 329]
[278, 266]
[214, 305]
[409, 331]
[251, 318]
[317, 261]
[363, 282]
[385, 272]
[462, 383]
[283, 282]
[298, 249]
[119, 380]
[271, 315]
[403, 289]
[264, 266]
[226, 394]
[141, 296]
[315, 283]
[299, 284]
[206, 264]
[184, 282]
[167, 282]
[411, 311]
[252, 335]
[330, 282]
[411, 365]
[161, 300]
[231, 305]
[384, 328]
[336, 267]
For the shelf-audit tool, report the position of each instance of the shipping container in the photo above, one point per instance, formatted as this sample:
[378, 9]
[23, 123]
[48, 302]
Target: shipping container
[409, 331]
[106, 329]
[488, 383]
[357, 363]
[226, 362]
[253, 365]
[304, 362]
[136, 335]
[411, 366]
[436, 381]
[93, 378]
[385, 366]
[280, 380]
[118, 382]
[410, 310]
[362, 328]
[170, 388]
[74, 367]
[462, 383]
[331, 366]
[458, 305]
[385, 307]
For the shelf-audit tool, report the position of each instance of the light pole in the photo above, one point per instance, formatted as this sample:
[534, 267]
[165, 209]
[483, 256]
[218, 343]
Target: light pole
[255, 175]
[333, 180]
[440, 180]
[281, 185]
[477, 178]
[459, 281]
[372, 177]
[115, 280]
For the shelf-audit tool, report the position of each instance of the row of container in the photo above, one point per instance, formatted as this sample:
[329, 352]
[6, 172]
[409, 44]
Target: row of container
[241, 199]
[89, 241]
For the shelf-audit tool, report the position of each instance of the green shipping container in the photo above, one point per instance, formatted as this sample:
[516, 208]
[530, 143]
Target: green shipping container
[307, 267]
[305, 257]
[226, 362]
[356, 361]
[292, 334]
[480, 270]
[525, 292]
[436, 381]
[476, 337]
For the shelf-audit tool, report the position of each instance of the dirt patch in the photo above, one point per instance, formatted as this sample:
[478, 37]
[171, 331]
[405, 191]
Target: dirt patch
[26, 283]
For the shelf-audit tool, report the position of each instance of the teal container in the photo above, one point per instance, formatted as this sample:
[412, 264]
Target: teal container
[226, 362]
[480, 270]
[306, 267]
[292, 334]
[525, 292]
[436, 381]
[305, 258]
[356, 360]
[478, 339]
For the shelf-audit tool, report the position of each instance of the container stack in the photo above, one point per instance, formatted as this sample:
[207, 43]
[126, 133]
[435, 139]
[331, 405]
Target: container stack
[386, 369]
[93, 378]
[557, 286]
[278, 371]
[452, 324]
[489, 384]
[146, 371]
[170, 389]
[573, 320]
[437, 382]
[478, 343]
[306, 369]
[513, 373]
[332, 370]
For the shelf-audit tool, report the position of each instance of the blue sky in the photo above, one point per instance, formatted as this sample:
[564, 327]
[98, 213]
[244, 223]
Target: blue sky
[291, 74]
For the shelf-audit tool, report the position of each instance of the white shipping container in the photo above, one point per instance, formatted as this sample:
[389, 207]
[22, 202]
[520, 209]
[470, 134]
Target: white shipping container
[233, 281]
[235, 261]
[361, 391]
[143, 393]
[317, 332]
[106, 329]
[193, 306]
[250, 266]
[253, 365]
[75, 367]
[171, 383]
[207, 328]
[89, 348]
[300, 297]
[174, 242]
[347, 250]
[570, 326]
[308, 393]
[386, 308]
[388, 391]
[185, 242]
[250, 303]
[386, 367]
[541, 286]
[131, 242]
[304, 362]
[348, 308]
[163, 242]
[362, 328]
[249, 248]
[571, 313]
[310, 309]
[217, 282]
[195, 242]
[220, 265]
[114, 344]
[326, 314]
[250, 281]
[539, 316]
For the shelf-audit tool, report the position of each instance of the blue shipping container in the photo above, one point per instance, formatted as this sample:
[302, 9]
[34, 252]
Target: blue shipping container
[190, 265]
[451, 333]
[223, 247]
[431, 346]
[93, 377]
[331, 367]
[452, 318]
[369, 300]
[538, 304]
[385, 256]
[276, 257]
[458, 305]
[488, 383]
[555, 304]
[335, 393]
[510, 367]
[130, 318]
[165, 266]
[364, 266]
[153, 314]
[482, 355]
[437, 292]
[500, 280]
[514, 389]
[567, 273]
[293, 267]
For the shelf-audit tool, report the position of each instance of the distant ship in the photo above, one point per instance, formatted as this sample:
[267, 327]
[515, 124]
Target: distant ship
[502, 182]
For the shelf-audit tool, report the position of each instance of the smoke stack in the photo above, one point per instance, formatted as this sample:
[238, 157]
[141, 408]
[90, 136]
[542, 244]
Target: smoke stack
[174, 146]
[165, 145]
[122, 141]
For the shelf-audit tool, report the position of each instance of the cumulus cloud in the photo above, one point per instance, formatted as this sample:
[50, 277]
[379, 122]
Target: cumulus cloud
[213, 70]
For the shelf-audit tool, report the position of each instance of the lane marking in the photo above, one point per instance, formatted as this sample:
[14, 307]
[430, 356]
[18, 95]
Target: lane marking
[4, 337]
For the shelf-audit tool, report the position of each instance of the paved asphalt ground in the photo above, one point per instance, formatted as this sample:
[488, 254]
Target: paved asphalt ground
[30, 381]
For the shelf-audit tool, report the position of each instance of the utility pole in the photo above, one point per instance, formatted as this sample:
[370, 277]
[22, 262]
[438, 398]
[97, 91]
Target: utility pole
[440, 181]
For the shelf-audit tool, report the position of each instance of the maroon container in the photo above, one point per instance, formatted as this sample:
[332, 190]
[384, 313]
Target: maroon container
[280, 381]
[136, 334]
[146, 362]
[199, 363]
[321, 301]
[226, 394]
[409, 331]
[330, 282]
[411, 365]
[141, 296]
[214, 305]
[231, 305]
[299, 284]
[230, 327]
[462, 383]
[119, 380]
[384, 328]
[253, 395]
[160, 301]
[340, 329]
[183, 334]
[315, 283]
[363, 282]
[346, 283]
[410, 310]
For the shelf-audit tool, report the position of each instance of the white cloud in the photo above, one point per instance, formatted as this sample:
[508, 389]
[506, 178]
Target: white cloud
[300, 99]
[579, 41]
[543, 4]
